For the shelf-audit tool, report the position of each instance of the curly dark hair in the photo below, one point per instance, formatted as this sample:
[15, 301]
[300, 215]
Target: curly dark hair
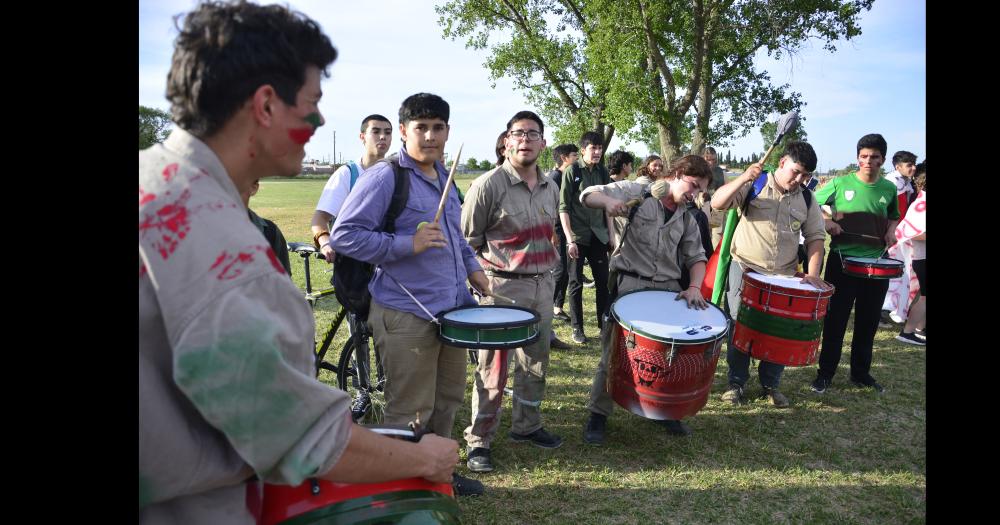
[690, 165]
[226, 50]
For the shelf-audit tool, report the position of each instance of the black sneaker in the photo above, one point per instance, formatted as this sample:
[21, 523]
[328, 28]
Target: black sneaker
[593, 431]
[911, 338]
[920, 333]
[868, 382]
[561, 315]
[539, 438]
[360, 405]
[479, 460]
[578, 336]
[820, 384]
[675, 427]
[466, 487]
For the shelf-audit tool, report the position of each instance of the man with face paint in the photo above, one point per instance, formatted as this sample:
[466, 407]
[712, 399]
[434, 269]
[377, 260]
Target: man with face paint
[662, 237]
[375, 136]
[227, 391]
[509, 219]
[863, 224]
[766, 240]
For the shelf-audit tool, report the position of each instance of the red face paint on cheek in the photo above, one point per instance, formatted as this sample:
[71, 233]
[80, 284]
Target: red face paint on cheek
[301, 136]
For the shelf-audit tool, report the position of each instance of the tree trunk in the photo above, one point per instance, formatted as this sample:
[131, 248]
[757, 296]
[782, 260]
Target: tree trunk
[700, 137]
[670, 144]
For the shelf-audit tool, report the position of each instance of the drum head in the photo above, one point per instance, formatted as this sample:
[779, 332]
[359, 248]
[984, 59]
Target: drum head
[657, 314]
[487, 316]
[783, 281]
[871, 261]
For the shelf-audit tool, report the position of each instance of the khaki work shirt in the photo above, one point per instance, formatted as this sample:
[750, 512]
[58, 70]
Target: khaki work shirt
[509, 225]
[585, 222]
[653, 249]
[767, 238]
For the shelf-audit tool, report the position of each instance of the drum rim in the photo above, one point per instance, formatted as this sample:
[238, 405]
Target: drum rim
[854, 260]
[786, 291]
[535, 317]
[670, 340]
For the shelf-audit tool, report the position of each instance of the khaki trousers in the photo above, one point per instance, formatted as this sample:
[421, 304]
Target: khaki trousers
[530, 366]
[422, 374]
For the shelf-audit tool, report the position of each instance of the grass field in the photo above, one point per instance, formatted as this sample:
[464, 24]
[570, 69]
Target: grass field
[847, 456]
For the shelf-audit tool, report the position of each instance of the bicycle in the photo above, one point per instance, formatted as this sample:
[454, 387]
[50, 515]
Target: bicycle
[354, 371]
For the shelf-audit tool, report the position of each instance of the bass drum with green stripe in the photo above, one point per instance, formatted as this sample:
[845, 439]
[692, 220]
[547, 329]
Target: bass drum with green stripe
[780, 319]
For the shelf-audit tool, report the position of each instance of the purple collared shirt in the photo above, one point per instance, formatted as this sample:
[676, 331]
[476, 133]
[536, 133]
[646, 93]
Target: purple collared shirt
[435, 277]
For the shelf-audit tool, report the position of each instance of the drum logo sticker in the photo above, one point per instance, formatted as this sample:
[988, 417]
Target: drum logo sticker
[693, 330]
[647, 372]
[849, 195]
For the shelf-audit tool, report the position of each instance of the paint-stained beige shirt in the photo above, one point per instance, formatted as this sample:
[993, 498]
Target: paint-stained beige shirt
[653, 249]
[767, 238]
[227, 385]
[509, 225]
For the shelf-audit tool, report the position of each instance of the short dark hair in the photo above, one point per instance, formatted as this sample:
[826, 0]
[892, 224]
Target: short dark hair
[873, 141]
[901, 157]
[618, 160]
[527, 115]
[369, 118]
[801, 153]
[501, 150]
[226, 50]
[564, 150]
[690, 165]
[423, 105]
[711, 150]
[591, 137]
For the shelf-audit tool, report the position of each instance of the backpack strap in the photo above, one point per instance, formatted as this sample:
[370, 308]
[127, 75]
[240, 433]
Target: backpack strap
[355, 173]
[631, 215]
[400, 194]
[807, 194]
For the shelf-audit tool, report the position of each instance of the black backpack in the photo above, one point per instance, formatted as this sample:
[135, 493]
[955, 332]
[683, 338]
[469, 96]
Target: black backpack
[351, 276]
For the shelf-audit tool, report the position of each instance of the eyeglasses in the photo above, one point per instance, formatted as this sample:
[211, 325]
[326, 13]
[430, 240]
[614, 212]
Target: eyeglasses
[520, 134]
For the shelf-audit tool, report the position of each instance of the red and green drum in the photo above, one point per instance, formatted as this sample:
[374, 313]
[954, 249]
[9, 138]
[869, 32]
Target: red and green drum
[780, 319]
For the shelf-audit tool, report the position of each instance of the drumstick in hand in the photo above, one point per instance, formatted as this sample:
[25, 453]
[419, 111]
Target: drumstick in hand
[498, 296]
[447, 188]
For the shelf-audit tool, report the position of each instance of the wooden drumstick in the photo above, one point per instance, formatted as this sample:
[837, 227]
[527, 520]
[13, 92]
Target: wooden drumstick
[498, 296]
[447, 186]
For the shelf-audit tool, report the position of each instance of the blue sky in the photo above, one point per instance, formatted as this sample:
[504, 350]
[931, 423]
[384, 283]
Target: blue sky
[876, 83]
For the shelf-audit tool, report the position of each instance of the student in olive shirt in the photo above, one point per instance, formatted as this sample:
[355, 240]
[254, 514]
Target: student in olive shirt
[865, 213]
[586, 231]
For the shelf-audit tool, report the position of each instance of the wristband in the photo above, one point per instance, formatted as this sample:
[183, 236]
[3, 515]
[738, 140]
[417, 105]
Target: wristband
[695, 287]
[317, 236]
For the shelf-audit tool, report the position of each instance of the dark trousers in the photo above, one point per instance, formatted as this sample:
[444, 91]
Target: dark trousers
[596, 255]
[865, 296]
[560, 275]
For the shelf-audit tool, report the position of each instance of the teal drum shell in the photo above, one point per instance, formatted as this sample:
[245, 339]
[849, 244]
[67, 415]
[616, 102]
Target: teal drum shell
[488, 327]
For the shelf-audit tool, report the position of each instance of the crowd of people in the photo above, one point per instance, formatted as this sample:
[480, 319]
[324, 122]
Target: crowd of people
[228, 393]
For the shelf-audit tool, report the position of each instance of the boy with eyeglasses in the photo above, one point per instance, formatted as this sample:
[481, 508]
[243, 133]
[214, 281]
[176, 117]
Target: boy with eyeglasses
[509, 219]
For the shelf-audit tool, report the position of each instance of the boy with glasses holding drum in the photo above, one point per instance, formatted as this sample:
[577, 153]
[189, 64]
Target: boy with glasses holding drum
[662, 236]
[865, 213]
[509, 219]
[766, 241]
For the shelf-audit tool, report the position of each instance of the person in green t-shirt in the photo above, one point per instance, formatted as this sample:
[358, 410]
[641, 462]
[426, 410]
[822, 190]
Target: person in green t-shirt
[864, 213]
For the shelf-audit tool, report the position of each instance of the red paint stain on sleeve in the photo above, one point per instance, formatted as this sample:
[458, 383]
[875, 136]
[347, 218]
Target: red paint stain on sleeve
[145, 197]
[271, 256]
[170, 171]
[172, 222]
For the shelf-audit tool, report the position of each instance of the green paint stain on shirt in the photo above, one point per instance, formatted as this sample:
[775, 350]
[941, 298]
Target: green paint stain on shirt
[234, 384]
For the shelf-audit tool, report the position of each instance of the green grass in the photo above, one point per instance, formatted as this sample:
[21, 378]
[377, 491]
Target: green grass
[847, 456]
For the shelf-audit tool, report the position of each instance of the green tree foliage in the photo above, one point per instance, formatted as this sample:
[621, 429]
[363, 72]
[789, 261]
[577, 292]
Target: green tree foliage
[153, 126]
[667, 72]
[486, 165]
[541, 45]
[471, 164]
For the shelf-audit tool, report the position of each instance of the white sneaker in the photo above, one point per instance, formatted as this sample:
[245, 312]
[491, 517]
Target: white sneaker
[895, 318]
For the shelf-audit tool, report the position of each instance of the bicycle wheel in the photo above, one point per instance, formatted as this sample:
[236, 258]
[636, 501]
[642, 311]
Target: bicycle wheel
[360, 374]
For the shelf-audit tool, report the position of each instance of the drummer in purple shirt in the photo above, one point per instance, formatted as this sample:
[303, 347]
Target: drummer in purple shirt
[432, 262]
